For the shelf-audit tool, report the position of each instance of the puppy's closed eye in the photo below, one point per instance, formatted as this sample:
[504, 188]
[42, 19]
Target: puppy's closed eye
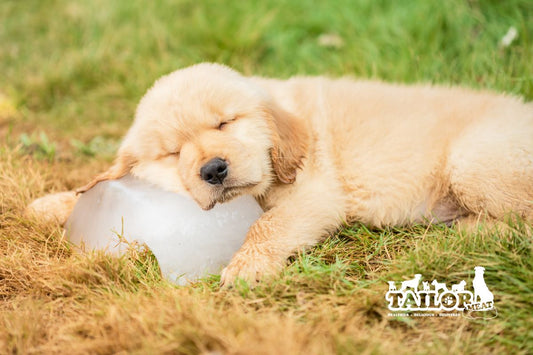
[173, 153]
[225, 122]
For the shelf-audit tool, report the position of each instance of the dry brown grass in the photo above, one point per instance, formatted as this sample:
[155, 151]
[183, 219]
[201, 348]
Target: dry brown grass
[55, 301]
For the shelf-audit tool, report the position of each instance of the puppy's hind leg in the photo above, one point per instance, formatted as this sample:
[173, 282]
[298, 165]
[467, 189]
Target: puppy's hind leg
[491, 169]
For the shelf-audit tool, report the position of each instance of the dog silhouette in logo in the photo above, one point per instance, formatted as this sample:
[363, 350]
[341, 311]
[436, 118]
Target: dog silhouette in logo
[392, 286]
[425, 285]
[459, 287]
[481, 290]
[413, 283]
[439, 286]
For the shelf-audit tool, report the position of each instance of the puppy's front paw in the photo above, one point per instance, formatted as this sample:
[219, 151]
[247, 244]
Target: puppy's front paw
[250, 268]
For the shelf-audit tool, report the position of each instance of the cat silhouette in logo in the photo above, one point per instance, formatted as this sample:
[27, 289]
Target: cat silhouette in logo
[426, 285]
[481, 291]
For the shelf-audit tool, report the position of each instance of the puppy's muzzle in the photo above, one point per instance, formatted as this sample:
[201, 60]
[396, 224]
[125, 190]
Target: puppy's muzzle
[214, 171]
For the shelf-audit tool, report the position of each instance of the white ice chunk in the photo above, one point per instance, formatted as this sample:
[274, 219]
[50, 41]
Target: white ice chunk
[187, 241]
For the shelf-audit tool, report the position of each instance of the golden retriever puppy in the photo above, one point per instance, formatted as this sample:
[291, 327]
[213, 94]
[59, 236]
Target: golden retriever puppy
[318, 152]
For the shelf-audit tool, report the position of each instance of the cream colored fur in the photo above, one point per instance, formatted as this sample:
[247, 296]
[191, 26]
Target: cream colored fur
[317, 152]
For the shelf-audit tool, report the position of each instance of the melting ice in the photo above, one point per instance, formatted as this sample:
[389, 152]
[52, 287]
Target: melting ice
[187, 241]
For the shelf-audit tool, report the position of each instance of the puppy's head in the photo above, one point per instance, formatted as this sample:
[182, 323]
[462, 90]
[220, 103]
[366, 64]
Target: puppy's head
[211, 132]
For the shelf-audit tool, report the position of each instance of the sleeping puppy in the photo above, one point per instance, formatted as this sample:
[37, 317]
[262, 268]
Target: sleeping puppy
[318, 152]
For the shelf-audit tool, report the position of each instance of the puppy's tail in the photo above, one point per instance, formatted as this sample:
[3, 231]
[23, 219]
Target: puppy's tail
[54, 207]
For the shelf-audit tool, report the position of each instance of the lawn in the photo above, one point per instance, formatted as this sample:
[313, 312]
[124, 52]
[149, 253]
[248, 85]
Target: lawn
[71, 74]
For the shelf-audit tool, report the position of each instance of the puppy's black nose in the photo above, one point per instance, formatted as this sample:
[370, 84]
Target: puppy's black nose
[214, 171]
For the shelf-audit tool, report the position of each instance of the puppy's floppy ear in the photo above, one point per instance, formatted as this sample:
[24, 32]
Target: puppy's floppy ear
[290, 142]
[122, 165]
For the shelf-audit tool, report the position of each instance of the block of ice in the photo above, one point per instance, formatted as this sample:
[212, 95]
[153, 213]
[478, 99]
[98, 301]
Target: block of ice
[187, 241]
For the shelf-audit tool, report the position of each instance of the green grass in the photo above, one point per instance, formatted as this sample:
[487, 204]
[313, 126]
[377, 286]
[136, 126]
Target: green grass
[70, 64]
[71, 74]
